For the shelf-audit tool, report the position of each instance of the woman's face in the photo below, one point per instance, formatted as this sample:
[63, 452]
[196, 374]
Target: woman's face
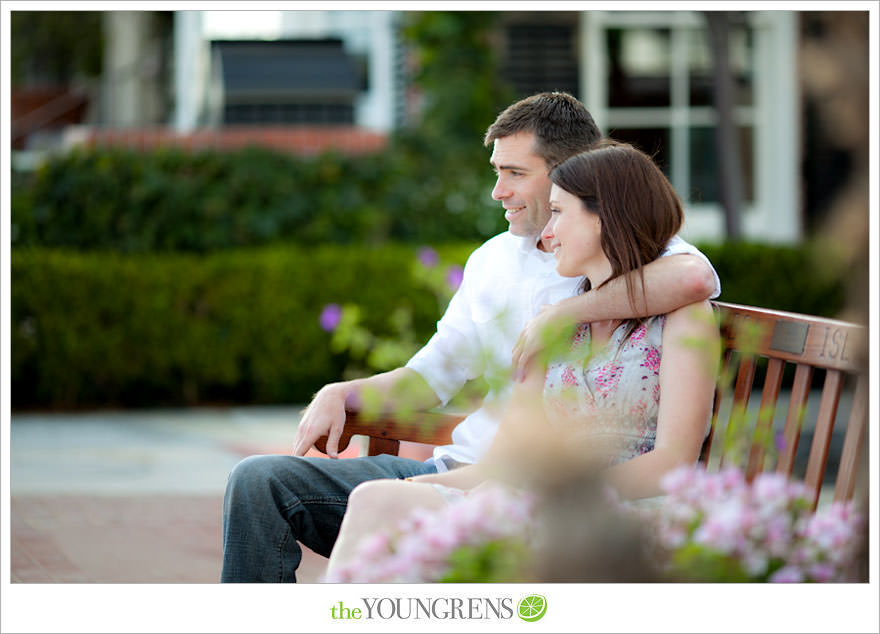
[574, 236]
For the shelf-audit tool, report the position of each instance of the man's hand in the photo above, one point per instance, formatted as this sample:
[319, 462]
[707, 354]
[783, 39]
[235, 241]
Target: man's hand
[325, 416]
[396, 390]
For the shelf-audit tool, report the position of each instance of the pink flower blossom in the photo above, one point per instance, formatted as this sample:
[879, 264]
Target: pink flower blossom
[787, 574]
[821, 572]
[673, 482]
[420, 549]
[754, 524]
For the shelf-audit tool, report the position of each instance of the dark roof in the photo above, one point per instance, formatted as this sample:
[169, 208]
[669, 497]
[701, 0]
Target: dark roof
[285, 69]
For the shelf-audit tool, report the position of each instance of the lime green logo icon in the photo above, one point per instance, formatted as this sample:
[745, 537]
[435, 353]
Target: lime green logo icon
[532, 607]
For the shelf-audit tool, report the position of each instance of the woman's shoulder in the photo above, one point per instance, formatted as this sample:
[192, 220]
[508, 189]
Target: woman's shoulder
[700, 311]
[691, 322]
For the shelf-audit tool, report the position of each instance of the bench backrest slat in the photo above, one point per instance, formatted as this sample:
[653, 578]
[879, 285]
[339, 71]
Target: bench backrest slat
[853, 443]
[769, 397]
[821, 349]
[797, 408]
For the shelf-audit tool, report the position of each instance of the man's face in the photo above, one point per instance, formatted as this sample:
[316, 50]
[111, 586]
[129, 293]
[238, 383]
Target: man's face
[523, 185]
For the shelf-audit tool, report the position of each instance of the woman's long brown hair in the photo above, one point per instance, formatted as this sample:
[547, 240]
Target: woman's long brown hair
[637, 206]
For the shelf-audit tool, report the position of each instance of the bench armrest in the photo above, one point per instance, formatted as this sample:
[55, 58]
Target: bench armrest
[386, 431]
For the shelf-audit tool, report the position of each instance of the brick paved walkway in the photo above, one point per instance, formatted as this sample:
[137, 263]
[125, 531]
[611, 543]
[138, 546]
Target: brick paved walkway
[113, 539]
[132, 497]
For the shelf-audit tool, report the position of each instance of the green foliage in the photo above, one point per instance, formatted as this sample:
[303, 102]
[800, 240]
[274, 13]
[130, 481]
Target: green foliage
[695, 563]
[55, 45]
[806, 279]
[241, 326]
[457, 73]
[172, 200]
[495, 561]
[382, 353]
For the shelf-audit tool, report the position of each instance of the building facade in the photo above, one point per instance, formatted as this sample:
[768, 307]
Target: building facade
[646, 77]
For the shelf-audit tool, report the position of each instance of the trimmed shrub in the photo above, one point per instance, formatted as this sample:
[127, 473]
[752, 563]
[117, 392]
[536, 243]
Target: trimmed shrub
[171, 200]
[803, 279]
[242, 326]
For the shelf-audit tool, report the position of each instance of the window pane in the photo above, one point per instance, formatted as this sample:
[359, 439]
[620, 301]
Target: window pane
[704, 164]
[281, 113]
[638, 67]
[652, 141]
[740, 54]
[541, 57]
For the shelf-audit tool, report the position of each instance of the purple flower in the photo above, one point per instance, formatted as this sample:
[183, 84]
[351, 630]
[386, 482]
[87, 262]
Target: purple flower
[428, 257]
[454, 276]
[330, 317]
[780, 441]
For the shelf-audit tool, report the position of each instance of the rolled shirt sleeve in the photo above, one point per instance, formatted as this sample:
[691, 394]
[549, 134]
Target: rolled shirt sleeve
[453, 354]
[677, 245]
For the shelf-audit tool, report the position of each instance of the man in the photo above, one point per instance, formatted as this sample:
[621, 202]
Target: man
[272, 502]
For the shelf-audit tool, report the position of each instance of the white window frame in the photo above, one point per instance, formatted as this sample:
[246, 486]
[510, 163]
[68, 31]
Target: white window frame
[774, 214]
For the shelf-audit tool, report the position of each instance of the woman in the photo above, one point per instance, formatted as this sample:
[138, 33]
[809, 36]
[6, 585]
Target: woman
[633, 397]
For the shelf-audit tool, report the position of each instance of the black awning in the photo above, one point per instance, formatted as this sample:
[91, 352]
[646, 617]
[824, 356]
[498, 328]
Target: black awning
[286, 70]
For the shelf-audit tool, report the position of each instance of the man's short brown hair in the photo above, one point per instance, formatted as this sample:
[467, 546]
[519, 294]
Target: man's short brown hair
[561, 124]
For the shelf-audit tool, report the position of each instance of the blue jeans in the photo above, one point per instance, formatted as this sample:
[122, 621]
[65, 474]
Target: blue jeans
[274, 501]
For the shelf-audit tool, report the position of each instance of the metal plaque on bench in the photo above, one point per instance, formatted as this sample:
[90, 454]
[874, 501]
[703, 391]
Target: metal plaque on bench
[789, 336]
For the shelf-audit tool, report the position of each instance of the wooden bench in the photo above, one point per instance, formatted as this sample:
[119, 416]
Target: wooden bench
[757, 341]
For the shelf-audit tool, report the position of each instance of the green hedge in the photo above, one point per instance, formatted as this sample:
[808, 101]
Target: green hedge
[171, 200]
[106, 329]
[804, 279]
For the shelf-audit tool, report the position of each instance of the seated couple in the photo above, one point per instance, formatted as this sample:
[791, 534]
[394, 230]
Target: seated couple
[629, 381]
[635, 394]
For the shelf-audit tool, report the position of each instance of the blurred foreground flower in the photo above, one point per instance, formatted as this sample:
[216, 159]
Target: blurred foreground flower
[718, 527]
[428, 257]
[330, 317]
[454, 276]
[482, 537]
[370, 351]
[709, 527]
